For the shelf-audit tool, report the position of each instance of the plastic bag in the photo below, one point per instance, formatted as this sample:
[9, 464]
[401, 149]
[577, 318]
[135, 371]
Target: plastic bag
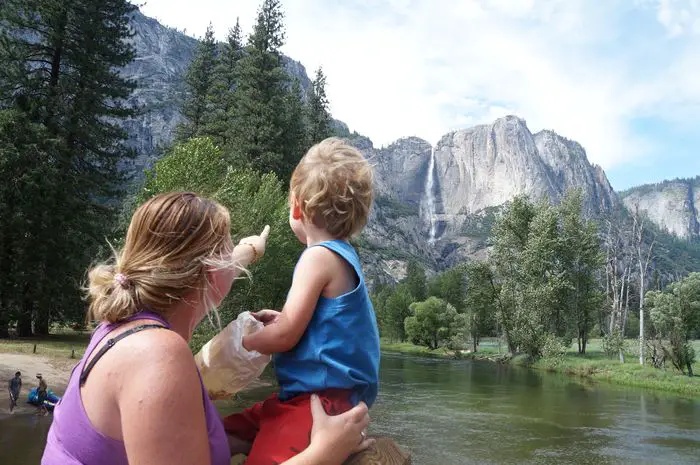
[226, 367]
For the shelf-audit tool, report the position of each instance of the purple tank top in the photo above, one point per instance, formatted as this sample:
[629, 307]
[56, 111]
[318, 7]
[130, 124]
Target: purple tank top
[73, 440]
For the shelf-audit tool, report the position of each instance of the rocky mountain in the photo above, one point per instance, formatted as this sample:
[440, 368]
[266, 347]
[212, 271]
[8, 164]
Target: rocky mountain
[487, 165]
[672, 205]
[163, 55]
[436, 204]
[475, 172]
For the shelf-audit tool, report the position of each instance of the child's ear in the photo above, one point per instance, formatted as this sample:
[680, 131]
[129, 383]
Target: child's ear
[296, 210]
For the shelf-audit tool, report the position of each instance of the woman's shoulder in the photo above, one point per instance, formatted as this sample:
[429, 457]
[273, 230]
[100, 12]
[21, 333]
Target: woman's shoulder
[153, 353]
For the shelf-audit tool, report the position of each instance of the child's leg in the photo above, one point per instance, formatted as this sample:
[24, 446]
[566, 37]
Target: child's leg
[285, 427]
[246, 424]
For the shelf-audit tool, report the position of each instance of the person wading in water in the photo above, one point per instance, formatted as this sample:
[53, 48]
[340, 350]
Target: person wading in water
[42, 394]
[15, 386]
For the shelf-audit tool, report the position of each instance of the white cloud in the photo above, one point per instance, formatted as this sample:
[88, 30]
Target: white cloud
[679, 16]
[422, 67]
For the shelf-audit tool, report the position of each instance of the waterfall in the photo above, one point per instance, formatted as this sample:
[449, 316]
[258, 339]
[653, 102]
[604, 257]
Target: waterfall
[430, 196]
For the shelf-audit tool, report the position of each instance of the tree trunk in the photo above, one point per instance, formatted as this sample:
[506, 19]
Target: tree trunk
[24, 323]
[641, 315]
[625, 314]
[41, 323]
[474, 343]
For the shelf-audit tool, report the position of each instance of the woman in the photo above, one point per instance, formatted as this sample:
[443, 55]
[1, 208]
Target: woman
[177, 265]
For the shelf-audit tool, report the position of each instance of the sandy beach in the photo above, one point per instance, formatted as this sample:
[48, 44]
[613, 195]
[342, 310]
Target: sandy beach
[55, 371]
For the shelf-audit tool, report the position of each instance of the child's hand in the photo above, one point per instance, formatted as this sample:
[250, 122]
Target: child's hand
[266, 317]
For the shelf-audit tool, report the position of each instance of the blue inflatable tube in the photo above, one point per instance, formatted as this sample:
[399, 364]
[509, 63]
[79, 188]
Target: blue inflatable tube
[50, 401]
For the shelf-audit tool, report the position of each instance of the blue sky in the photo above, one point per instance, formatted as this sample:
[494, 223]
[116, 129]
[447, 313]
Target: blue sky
[622, 77]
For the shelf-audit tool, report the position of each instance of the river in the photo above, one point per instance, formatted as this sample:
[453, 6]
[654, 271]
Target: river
[463, 412]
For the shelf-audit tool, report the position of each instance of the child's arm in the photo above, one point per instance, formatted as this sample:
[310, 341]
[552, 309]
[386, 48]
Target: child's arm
[310, 278]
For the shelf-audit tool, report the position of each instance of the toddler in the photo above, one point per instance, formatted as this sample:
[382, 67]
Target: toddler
[325, 340]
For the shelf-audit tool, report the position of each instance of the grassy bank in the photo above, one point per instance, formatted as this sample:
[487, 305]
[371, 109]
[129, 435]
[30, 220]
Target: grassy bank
[594, 365]
[62, 343]
[411, 349]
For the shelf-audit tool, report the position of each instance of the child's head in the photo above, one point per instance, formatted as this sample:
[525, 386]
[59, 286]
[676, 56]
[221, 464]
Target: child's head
[178, 248]
[18, 374]
[331, 188]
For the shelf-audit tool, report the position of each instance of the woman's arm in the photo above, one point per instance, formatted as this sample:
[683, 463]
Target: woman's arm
[334, 438]
[250, 249]
[161, 406]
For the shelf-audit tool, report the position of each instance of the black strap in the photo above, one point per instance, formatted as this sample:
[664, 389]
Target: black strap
[109, 344]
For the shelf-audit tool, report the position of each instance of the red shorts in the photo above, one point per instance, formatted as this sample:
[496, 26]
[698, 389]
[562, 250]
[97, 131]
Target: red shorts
[280, 430]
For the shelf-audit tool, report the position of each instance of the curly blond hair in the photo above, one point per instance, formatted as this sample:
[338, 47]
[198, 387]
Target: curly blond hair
[333, 186]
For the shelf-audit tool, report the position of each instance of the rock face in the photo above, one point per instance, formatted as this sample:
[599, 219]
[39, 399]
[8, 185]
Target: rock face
[486, 166]
[476, 171]
[671, 205]
[163, 55]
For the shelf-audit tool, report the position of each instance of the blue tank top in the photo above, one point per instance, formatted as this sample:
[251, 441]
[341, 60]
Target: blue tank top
[340, 348]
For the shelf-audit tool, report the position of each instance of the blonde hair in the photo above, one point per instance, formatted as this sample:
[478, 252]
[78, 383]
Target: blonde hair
[333, 185]
[171, 241]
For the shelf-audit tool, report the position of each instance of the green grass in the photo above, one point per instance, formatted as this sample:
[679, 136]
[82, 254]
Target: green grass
[60, 344]
[411, 349]
[594, 365]
[630, 373]
[488, 350]
[598, 366]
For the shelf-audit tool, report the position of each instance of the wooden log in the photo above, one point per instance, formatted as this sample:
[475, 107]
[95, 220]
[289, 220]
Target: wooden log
[384, 452]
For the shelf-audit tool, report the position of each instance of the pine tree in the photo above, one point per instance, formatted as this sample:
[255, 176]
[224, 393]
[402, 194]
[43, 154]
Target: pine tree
[318, 115]
[222, 93]
[416, 282]
[60, 75]
[262, 135]
[295, 137]
[199, 80]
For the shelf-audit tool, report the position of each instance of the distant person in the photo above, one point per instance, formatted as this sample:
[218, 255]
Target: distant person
[325, 339]
[177, 265]
[15, 386]
[42, 394]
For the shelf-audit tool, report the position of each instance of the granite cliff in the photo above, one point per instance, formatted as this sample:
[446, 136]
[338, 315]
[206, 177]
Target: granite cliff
[671, 205]
[440, 219]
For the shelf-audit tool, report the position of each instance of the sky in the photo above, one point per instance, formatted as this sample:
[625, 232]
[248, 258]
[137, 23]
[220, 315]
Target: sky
[621, 77]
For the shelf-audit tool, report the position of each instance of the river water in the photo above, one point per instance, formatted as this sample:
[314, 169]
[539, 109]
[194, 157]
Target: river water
[463, 412]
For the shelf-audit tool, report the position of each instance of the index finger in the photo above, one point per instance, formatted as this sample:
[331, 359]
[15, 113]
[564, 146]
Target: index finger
[265, 233]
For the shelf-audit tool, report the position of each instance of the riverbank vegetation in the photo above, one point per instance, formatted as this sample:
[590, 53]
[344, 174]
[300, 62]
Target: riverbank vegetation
[554, 283]
[595, 364]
